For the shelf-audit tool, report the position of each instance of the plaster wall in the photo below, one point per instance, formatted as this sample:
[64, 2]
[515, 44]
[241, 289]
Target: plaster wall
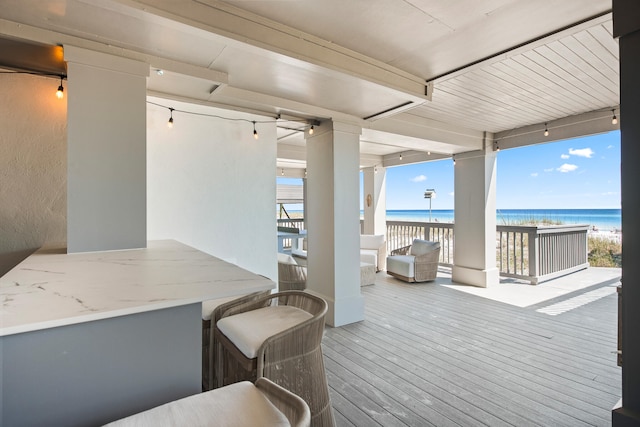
[211, 185]
[33, 166]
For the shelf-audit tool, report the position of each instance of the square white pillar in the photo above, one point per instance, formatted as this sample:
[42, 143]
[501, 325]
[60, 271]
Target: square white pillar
[106, 150]
[333, 220]
[475, 219]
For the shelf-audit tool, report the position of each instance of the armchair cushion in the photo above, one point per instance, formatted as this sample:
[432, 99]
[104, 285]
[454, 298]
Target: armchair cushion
[250, 329]
[371, 241]
[402, 265]
[423, 247]
[286, 259]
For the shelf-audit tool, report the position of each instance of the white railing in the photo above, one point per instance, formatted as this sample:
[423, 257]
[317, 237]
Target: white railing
[533, 253]
[290, 223]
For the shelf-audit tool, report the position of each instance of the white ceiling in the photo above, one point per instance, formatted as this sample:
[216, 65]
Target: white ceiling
[452, 70]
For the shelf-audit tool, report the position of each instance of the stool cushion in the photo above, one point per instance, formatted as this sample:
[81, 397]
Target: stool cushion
[210, 305]
[236, 405]
[401, 264]
[250, 329]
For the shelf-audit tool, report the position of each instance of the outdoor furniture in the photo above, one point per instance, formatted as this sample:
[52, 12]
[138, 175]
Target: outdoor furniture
[291, 276]
[241, 404]
[415, 263]
[373, 250]
[213, 309]
[367, 274]
[278, 337]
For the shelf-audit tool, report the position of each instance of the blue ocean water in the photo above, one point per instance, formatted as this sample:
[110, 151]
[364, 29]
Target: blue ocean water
[603, 219]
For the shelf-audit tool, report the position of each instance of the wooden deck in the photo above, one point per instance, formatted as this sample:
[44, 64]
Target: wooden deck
[427, 354]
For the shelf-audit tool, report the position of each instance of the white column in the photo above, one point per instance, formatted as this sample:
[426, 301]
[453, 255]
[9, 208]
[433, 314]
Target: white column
[375, 200]
[333, 220]
[106, 151]
[475, 219]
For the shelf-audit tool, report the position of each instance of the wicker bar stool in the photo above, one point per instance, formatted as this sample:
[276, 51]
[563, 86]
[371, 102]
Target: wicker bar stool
[212, 311]
[277, 337]
[237, 405]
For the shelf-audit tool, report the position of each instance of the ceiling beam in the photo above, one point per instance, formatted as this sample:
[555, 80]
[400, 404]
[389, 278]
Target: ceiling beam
[251, 30]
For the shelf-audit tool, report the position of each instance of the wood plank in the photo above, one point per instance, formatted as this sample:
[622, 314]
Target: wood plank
[427, 354]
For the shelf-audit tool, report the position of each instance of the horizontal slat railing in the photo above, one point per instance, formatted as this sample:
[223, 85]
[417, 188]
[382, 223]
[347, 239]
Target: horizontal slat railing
[402, 233]
[293, 223]
[533, 253]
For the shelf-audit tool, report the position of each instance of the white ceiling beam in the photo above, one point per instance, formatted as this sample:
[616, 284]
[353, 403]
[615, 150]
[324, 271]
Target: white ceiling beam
[40, 35]
[253, 30]
[580, 125]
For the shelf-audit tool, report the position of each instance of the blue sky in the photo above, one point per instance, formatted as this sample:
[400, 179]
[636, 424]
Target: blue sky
[571, 174]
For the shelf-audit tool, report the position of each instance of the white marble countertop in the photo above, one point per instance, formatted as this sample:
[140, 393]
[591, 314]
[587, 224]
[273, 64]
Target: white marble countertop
[52, 288]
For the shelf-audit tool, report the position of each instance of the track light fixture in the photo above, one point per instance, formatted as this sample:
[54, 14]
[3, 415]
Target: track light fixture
[60, 91]
[255, 135]
[546, 130]
[614, 119]
[170, 122]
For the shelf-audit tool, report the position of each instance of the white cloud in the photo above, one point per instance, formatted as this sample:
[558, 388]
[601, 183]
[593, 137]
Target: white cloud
[564, 156]
[549, 170]
[581, 152]
[567, 168]
[452, 194]
[534, 174]
[609, 147]
[419, 178]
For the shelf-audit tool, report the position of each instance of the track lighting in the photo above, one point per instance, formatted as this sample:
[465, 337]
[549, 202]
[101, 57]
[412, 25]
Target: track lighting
[255, 135]
[546, 130]
[60, 92]
[614, 119]
[170, 122]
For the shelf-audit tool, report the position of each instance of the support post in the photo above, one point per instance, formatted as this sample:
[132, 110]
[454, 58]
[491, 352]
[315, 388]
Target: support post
[333, 224]
[475, 218]
[626, 27]
[375, 200]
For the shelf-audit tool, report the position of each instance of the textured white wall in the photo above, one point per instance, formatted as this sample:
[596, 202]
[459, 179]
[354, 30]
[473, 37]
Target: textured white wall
[211, 185]
[33, 166]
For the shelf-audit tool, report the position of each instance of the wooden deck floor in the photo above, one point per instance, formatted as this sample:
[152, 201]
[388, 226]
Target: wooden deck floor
[427, 354]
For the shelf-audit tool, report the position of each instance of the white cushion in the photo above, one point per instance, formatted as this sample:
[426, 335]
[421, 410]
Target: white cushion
[369, 256]
[401, 264]
[236, 405]
[285, 258]
[371, 241]
[210, 305]
[423, 247]
[250, 329]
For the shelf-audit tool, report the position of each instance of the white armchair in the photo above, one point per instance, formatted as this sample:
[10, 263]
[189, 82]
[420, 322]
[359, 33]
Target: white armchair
[373, 250]
[415, 263]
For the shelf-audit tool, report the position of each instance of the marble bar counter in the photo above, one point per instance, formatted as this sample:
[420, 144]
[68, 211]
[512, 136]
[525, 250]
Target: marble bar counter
[51, 288]
[89, 338]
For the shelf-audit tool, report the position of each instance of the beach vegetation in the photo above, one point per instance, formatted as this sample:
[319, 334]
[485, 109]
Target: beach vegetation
[604, 252]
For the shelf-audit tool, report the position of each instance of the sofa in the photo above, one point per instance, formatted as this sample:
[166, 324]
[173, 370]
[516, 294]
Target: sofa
[373, 250]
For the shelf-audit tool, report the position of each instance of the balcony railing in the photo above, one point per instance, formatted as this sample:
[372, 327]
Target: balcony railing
[533, 253]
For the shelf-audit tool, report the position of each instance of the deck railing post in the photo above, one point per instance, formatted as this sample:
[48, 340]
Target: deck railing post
[534, 255]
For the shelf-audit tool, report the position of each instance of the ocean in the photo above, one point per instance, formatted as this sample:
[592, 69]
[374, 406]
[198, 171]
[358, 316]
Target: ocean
[603, 219]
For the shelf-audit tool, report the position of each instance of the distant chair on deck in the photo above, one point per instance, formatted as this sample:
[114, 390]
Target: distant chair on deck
[417, 262]
[291, 276]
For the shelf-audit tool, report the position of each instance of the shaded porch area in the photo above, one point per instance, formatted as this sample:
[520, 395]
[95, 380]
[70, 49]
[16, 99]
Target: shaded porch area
[511, 355]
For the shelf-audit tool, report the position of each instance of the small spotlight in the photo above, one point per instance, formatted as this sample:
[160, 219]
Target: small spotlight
[546, 130]
[614, 119]
[311, 130]
[159, 72]
[255, 135]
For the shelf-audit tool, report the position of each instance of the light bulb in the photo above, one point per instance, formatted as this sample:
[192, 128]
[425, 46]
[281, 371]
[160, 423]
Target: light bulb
[60, 92]
[546, 130]
[255, 135]
[170, 122]
[311, 130]
[400, 156]
[614, 120]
